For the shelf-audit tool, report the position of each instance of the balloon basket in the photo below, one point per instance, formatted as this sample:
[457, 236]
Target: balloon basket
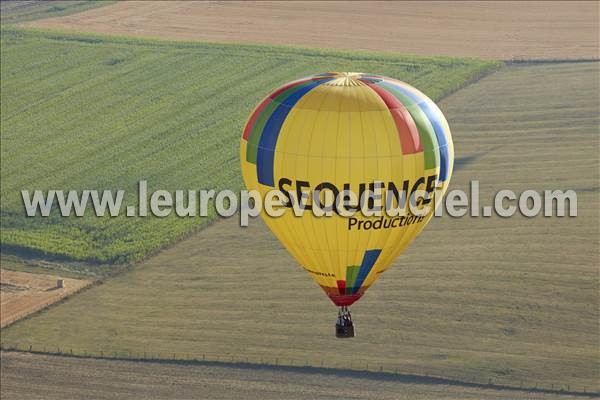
[344, 327]
[344, 332]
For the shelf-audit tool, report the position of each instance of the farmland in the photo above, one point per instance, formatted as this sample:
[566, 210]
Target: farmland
[105, 113]
[50, 378]
[491, 30]
[509, 301]
[512, 300]
[18, 11]
[23, 293]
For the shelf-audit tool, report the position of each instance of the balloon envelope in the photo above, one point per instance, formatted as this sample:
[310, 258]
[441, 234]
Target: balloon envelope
[346, 131]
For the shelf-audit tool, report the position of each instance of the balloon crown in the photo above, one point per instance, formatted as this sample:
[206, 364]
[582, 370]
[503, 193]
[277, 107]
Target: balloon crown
[347, 78]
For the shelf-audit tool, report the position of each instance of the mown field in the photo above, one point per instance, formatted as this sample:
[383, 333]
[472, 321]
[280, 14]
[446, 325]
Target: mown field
[512, 300]
[91, 112]
[50, 378]
[484, 29]
[17, 11]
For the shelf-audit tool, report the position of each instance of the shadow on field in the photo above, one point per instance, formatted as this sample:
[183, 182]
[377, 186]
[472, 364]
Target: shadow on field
[463, 162]
[333, 372]
[380, 376]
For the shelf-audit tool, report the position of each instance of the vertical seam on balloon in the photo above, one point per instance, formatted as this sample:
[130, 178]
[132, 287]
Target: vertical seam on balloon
[301, 256]
[372, 231]
[349, 252]
[370, 234]
[378, 174]
[349, 265]
[312, 258]
[408, 230]
[328, 258]
[409, 233]
[291, 244]
[309, 258]
[314, 250]
[304, 260]
[340, 254]
[391, 160]
[364, 169]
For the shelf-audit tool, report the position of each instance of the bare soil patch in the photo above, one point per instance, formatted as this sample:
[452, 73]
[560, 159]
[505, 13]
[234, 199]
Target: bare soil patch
[496, 30]
[22, 293]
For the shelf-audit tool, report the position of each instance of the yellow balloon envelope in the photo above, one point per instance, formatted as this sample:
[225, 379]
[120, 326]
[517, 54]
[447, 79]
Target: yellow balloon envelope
[339, 132]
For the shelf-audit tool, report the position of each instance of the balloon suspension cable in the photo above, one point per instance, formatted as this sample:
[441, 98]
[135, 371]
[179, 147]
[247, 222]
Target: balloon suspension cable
[344, 311]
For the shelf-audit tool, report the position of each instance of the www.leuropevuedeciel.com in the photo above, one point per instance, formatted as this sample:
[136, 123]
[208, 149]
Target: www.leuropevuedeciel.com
[397, 205]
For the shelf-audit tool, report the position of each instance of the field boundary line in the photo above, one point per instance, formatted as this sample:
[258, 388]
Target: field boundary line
[91, 38]
[509, 63]
[539, 61]
[228, 361]
[484, 73]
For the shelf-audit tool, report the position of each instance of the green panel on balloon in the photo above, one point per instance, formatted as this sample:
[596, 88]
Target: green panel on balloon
[351, 274]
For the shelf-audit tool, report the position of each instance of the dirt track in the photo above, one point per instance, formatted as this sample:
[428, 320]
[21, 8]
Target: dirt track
[532, 30]
[53, 377]
[23, 293]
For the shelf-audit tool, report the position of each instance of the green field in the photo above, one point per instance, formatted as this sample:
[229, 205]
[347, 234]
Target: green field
[13, 12]
[91, 112]
[512, 300]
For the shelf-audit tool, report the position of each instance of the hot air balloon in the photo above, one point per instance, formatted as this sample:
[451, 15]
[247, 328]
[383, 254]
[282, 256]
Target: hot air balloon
[346, 131]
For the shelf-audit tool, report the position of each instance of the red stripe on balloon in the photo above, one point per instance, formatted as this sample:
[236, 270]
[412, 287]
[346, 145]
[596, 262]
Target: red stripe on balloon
[408, 131]
[288, 86]
[265, 102]
[254, 117]
[343, 299]
[405, 125]
[341, 287]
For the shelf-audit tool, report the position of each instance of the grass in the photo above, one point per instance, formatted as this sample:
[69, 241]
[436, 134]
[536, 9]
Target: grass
[52, 377]
[513, 300]
[14, 12]
[93, 112]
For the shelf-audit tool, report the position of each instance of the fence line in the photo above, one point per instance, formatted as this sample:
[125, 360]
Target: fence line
[289, 362]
